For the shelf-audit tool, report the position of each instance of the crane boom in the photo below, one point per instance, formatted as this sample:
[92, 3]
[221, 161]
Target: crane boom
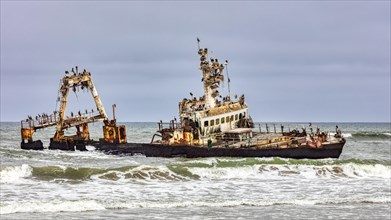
[112, 133]
[84, 81]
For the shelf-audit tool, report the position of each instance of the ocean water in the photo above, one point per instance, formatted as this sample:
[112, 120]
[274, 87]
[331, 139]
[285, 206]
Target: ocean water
[93, 185]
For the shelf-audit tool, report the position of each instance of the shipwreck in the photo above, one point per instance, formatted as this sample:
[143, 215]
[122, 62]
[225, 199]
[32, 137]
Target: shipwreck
[212, 125]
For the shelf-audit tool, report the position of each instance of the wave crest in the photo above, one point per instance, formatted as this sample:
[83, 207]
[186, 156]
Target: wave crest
[377, 135]
[189, 170]
[12, 174]
[94, 205]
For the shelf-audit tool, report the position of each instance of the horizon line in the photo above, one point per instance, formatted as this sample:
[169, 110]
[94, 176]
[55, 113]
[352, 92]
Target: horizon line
[254, 122]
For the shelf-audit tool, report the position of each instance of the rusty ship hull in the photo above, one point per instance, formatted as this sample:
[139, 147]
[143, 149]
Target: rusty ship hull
[209, 125]
[332, 150]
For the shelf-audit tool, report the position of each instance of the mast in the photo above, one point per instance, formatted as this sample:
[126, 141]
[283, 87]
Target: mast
[228, 79]
[212, 76]
[207, 79]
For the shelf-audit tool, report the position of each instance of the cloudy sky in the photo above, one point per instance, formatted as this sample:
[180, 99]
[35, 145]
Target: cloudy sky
[294, 60]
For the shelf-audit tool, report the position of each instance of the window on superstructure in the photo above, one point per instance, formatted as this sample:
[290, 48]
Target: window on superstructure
[206, 123]
[236, 117]
[232, 117]
[212, 122]
[217, 121]
[222, 120]
[227, 119]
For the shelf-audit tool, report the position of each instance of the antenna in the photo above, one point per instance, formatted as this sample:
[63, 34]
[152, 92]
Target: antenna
[198, 42]
[229, 80]
[114, 106]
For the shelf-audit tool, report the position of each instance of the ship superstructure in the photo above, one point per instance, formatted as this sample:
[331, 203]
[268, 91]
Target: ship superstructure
[208, 117]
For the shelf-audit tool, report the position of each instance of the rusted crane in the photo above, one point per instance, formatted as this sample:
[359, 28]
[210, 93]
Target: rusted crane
[74, 81]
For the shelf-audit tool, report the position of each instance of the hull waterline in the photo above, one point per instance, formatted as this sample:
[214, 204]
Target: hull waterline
[333, 150]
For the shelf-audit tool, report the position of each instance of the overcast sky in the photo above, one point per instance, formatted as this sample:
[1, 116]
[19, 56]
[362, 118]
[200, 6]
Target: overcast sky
[294, 60]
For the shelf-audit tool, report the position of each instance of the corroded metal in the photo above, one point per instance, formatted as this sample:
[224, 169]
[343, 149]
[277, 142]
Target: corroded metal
[113, 133]
[224, 125]
[207, 117]
[331, 150]
[72, 82]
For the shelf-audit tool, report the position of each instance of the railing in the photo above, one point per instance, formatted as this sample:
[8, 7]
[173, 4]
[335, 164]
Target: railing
[284, 128]
[169, 125]
[38, 122]
[300, 129]
[51, 120]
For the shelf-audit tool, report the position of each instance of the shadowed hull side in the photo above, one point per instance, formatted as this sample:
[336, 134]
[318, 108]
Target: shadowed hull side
[159, 150]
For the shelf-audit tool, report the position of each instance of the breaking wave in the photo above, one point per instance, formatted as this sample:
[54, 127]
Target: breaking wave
[366, 134]
[189, 170]
[15, 174]
[346, 135]
[378, 135]
[278, 169]
[61, 173]
[95, 205]
[239, 162]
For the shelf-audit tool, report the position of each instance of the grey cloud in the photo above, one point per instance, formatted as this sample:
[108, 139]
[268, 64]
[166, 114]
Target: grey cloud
[295, 61]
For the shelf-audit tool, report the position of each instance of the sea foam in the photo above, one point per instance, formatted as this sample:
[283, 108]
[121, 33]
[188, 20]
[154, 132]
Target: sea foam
[94, 205]
[12, 174]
